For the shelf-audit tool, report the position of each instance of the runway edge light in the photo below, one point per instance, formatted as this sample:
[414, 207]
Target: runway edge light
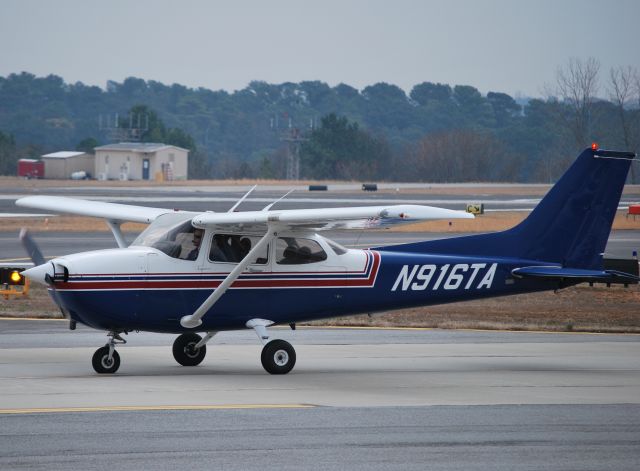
[12, 283]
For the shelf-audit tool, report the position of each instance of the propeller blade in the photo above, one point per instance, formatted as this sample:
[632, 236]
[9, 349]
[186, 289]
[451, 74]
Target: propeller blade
[33, 251]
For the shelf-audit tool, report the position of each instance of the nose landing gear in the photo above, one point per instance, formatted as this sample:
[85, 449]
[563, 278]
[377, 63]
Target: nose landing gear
[105, 359]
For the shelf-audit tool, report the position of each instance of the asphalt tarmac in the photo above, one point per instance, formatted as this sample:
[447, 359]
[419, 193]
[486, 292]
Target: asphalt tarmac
[221, 198]
[357, 399]
[621, 244]
[496, 438]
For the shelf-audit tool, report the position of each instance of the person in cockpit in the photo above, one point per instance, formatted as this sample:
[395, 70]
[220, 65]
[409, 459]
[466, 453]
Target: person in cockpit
[217, 253]
[197, 240]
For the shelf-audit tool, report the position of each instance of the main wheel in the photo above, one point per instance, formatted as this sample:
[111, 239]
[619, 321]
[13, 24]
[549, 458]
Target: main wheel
[101, 362]
[184, 350]
[278, 357]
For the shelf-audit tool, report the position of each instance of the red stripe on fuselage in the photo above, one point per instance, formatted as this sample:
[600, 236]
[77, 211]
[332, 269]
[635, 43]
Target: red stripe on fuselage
[244, 283]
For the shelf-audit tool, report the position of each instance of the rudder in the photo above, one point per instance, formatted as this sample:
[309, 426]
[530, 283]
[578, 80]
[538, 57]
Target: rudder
[569, 226]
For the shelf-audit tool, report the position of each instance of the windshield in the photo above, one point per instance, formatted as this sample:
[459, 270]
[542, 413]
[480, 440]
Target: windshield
[173, 234]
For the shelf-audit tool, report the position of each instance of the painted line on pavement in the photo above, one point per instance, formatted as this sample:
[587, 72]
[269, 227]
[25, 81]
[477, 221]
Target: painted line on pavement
[55, 410]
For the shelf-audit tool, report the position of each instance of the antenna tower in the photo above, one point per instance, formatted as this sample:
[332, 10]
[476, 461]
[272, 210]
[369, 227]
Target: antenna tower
[118, 129]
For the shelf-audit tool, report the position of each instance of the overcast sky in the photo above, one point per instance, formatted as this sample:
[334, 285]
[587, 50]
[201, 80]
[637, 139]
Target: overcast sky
[495, 45]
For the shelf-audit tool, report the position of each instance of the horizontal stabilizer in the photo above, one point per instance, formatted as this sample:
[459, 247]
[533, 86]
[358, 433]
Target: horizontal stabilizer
[575, 275]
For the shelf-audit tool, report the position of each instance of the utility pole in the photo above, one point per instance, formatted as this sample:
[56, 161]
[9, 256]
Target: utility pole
[294, 140]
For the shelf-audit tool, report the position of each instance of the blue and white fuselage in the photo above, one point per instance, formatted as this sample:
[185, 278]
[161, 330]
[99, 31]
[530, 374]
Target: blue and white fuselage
[158, 290]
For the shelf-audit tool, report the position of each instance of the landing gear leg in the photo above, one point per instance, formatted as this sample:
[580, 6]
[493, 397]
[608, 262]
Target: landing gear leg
[106, 360]
[278, 356]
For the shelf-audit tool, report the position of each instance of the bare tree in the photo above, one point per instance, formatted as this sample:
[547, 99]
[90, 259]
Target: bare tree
[577, 86]
[624, 84]
[462, 156]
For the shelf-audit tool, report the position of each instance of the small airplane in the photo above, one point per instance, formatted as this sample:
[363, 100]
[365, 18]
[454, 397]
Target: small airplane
[191, 272]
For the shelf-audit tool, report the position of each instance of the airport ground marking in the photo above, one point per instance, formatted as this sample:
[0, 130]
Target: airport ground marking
[56, 410]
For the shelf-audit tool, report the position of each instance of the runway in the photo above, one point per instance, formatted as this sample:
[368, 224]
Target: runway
[500, 438]
[621, 243]
[357, 399]
[336, 368]
[220, 198]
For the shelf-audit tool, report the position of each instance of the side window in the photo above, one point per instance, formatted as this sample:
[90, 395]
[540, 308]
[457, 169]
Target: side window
[232, 248]
[294, 251]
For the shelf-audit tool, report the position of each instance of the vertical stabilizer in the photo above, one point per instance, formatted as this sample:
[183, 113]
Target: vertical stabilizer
[569, 226]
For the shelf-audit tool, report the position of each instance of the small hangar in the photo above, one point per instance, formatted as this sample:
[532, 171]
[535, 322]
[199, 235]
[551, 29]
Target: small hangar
[61, 165]
[141, 161]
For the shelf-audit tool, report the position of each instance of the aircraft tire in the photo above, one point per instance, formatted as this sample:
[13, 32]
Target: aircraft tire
[184, 353]
[278, 357]
[101, 363]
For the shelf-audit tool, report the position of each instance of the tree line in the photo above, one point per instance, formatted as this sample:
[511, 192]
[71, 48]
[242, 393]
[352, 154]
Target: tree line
[437, 132]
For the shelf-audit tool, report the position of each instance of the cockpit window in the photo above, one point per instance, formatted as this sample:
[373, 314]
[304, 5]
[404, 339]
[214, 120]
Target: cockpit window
[232, 248]
[295, 251]
[174, 235]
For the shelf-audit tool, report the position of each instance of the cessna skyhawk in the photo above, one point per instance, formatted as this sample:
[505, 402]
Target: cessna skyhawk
[191, 273]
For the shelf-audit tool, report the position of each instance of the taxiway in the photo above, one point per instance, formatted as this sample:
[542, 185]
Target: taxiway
[358, 399]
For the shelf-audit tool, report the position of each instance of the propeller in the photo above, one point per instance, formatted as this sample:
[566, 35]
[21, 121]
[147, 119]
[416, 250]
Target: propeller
[43, 272]
[33, 251]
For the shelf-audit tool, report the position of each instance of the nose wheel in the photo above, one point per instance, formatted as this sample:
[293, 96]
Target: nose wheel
[105, 359]
[104, 363]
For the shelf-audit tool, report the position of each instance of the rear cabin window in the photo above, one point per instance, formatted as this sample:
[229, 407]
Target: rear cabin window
[295, 251]
[232, 248]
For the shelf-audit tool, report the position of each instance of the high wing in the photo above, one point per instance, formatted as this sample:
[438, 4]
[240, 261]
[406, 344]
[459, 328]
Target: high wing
[114, 214]
[99, 209]
[363, 217]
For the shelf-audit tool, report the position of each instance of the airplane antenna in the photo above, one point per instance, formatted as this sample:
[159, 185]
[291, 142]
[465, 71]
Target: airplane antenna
[242, 199]
[268, 207]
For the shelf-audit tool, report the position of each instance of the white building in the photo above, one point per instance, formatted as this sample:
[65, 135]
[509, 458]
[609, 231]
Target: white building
[141, 161]
[60, 165]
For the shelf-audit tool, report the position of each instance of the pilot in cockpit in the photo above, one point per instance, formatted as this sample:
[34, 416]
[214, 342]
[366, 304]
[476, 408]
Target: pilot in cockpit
[197, 240]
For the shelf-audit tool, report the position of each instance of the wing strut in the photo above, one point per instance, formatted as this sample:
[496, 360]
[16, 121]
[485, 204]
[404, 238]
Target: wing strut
[194, 320]
[117, 233]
